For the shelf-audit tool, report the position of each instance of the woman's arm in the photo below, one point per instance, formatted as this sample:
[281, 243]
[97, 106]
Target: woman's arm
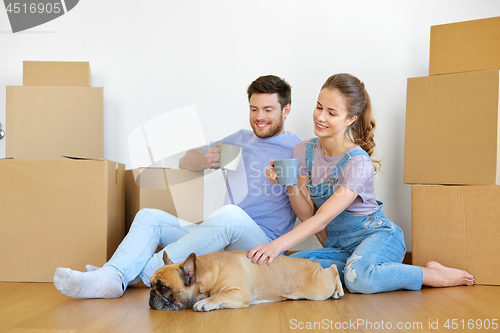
[302, 203]
[322, 236]
[300, 200]
[335, 205]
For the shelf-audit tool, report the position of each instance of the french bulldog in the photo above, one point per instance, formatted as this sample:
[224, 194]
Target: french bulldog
[228, 279]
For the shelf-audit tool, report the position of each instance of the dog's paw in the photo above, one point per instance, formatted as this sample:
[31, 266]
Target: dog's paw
[205, 305]
[337, 294]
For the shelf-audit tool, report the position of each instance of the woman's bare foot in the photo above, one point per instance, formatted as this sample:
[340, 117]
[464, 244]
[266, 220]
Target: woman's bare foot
[437, 275]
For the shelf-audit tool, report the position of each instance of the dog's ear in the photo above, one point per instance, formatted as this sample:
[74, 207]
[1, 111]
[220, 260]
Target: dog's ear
[189, 270]
[166, 259]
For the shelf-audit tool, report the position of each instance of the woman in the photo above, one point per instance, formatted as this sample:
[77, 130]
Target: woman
[334, 197]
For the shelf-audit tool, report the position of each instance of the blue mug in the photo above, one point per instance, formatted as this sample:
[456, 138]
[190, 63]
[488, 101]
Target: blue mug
[287, 171]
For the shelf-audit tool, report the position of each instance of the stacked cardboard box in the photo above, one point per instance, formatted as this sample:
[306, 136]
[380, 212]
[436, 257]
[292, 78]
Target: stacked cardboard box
[61, 204]
[55, 113]
[57, 211]
[452, 150]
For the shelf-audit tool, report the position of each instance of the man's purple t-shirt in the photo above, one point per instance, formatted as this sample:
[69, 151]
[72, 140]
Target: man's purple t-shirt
[357, 175]
[267, 204]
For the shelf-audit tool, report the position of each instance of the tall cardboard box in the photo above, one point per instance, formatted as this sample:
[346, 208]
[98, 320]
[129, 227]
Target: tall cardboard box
[458, 227]
[452, 129]
[465, 46]
[49, 122]
[178, 192]
[66, 213]
[56, 73]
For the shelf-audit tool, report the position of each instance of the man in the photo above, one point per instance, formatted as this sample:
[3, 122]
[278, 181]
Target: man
[263, 213]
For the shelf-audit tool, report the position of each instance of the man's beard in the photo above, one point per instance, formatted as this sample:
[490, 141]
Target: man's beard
[272, 129]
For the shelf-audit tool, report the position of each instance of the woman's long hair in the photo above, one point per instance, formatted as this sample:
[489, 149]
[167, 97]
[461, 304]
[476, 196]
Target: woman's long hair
[361, 131]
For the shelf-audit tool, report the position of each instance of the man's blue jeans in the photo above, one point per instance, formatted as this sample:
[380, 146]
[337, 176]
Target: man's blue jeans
[228, 228]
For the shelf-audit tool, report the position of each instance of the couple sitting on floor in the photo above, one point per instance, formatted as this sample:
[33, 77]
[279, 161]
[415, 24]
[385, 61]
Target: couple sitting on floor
[334, 198]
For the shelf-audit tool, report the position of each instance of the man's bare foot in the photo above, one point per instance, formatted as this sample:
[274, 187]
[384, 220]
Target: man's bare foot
[437, 275]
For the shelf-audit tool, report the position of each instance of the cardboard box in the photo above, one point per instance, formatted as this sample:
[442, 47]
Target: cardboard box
[452, 129]
[49, 122]
[458, 227]
[56, 73]
[178, 192]
[58, 213]
[465, 46]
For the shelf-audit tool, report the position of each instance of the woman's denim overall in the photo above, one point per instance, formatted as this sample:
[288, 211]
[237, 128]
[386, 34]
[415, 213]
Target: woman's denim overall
[368, 250]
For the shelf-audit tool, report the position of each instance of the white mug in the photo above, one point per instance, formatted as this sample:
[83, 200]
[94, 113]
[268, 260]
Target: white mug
[230, 156]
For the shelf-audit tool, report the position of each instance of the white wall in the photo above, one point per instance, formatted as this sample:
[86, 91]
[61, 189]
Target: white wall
[155, 56]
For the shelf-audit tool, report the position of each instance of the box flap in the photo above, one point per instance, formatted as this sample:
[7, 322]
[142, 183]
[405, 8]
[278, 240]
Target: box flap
[82, 158]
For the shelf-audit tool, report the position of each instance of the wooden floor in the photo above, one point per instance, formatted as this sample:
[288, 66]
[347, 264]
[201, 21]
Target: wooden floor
[39, 307]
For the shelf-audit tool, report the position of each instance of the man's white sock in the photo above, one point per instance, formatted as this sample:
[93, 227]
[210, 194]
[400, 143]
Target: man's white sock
[104, 282]
[91, 268]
